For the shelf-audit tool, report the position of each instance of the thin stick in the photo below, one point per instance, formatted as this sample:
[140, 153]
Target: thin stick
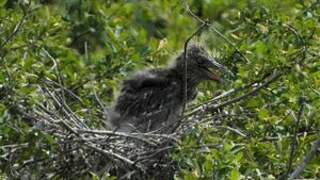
[47, 80]
[294, 137]
[185, 80]
[111, 133]
[210, 107]
[109, 153]
[229, 93]
[16, 28]
[306, 160]
[58, 72]
[166, 136]
[274, 77]
[211, 27]
[236, 131]
[185, 96]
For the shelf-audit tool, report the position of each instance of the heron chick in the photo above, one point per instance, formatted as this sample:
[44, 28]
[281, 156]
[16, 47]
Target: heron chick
[151, 100]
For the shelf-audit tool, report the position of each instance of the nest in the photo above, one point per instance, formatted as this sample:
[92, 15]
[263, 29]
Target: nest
[79, 149]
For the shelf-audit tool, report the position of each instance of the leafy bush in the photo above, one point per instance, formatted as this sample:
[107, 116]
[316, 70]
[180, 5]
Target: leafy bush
[90, 46]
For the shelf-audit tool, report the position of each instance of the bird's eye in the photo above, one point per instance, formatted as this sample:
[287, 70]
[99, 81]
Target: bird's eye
[201, 60]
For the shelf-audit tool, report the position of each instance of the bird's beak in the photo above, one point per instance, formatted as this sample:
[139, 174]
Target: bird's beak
[213, 75]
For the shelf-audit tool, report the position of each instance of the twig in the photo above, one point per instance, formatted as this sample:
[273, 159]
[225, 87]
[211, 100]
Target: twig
[295, 134]
[104, 110]
[274, 77]
[211, 107]
[185, 80]
[109, 153]
[61, 105]
[14, 145]
[58, 72]
[112, 133]
[306, 160]
[216, 146]
[66, 109]
[211, 27]
[233, 91]
[131, 135]
[228, 93]
[92, 146]
[66, 89]
[236, 131]
[185, 95]
[298, 36]
[277, 138]
[17, 27]
[153, 153]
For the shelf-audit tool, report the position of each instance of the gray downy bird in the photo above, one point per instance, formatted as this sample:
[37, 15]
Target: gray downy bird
[151, 100]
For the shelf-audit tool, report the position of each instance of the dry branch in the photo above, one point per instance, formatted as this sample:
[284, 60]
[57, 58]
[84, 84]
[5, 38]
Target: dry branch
[17, 27]
[213, 106]
[81, 149]
[138, 154]
[211, 27]
[185, 95]
[306, 160]
[295, 134]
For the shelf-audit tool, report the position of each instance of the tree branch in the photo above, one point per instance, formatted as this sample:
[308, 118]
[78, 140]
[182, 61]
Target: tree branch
[211, 27]
[294, 140]
[185, 95]
[306, 160]
[210, 107]
[16, 28]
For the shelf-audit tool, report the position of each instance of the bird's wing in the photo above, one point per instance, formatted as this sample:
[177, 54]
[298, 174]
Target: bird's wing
[149, 98]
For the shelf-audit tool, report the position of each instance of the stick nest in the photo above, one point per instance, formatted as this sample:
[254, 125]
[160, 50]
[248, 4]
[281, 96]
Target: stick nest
[78, 149]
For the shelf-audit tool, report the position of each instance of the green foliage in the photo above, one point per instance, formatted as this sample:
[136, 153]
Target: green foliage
[92, 45]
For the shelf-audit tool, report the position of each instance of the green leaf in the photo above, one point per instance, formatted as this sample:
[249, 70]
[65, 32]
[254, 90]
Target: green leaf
[263, 114]
[94, 176]
[234, 174]
[2, 2]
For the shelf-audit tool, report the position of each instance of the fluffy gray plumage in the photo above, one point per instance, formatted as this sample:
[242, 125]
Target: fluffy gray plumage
[152, 99]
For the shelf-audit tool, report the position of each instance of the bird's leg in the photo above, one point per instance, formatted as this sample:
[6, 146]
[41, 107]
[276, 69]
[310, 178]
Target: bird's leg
[149, 125]
[192, 94]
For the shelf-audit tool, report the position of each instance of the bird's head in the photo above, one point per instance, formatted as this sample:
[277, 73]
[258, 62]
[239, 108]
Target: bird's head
[200, 65]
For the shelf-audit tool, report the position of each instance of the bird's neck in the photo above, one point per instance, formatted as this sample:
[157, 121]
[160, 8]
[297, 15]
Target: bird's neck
[192, 82]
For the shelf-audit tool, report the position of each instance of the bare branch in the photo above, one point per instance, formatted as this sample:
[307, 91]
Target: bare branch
[129, 135]
[47, 80]
[236, 131]
[16, 28]
[109, 153]
[198, 31]
[211, 27]
[58, 72]
[274, 77]
[306, 160]
[211, 107]
[294, 140]
[229, 93]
